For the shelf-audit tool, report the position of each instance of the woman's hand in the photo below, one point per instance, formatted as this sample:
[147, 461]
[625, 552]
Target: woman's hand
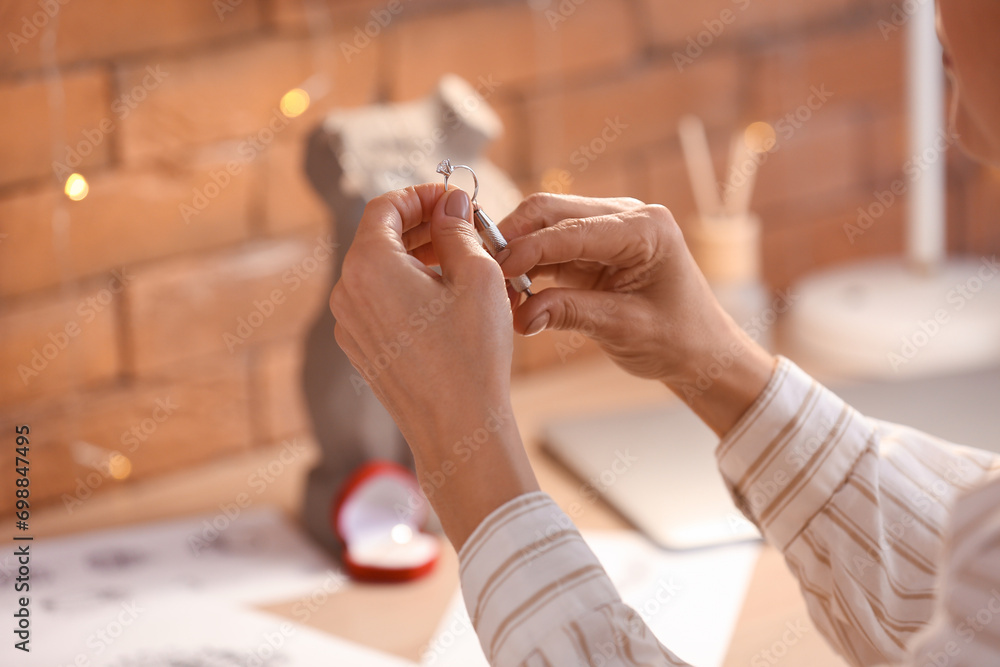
[627, 280]
[436, 350]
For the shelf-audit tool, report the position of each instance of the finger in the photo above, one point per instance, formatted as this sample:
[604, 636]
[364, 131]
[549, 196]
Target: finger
[387, 217]
[618, 239]
[455, 242]
[347, 343]
[592, 312]
[417, 236]
[544, 209]
[426, 254]
[514, 296]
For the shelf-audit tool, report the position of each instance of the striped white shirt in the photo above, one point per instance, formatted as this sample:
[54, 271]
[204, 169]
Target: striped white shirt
[894, 536]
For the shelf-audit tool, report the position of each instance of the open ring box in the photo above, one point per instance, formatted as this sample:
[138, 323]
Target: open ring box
[379, 516]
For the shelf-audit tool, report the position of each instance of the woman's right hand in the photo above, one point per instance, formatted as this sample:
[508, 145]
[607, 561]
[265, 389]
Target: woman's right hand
[626, 279]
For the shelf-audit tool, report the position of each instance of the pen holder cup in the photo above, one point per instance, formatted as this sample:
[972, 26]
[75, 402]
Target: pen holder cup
[727, 249]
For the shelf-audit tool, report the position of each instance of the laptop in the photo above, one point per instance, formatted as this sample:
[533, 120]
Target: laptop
[657, 468]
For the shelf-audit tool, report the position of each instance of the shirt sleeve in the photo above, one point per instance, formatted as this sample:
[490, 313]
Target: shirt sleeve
[859, 508]
[538, 596]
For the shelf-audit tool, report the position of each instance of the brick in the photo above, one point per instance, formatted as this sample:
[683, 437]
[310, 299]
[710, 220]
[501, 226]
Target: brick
[983, 202]
[823, 156]
[295, 16]
[54, 344]
[127, 217]
[177, 423]
[550, 349]
[857, 66]
[713, 21]
[276, 381]
[509, 43]
[668, 181]
[564, 127]
[112, 28]
[886, 146]
[612, 176]
[227, 301]
[234, 94]
[290, 200]
[800, 243]
[26, 119]
[507, 151]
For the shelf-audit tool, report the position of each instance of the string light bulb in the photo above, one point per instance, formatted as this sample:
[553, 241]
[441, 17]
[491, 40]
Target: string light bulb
[76, 187]
[119, 466]
[760, 137]
[294, 103]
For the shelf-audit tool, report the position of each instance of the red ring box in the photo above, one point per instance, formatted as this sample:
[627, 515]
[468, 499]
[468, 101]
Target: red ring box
[381, 530]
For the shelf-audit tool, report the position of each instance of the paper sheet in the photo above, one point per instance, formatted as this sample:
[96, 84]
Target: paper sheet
[170, 594]
[257, 557]
[191, 631]
[690, 600]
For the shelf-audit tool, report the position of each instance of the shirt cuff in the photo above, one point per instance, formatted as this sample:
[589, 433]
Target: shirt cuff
[790, 452]
[527, 562]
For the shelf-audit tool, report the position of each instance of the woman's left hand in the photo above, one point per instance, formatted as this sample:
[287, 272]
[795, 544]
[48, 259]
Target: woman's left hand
[436, 350]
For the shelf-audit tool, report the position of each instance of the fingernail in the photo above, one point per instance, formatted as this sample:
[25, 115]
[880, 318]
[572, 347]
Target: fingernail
[537, 324]
[503, 255]
[457, 205]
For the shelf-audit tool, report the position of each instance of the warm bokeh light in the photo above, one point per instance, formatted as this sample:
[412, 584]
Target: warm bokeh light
[76, 187]
[294, 102]
[401, 533]
[556, 180]
[119, 467]
[760, 137]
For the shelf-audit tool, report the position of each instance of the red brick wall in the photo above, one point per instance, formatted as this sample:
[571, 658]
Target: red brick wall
[137, 306]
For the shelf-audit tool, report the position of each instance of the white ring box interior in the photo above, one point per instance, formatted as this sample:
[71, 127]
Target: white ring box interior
[379, 519]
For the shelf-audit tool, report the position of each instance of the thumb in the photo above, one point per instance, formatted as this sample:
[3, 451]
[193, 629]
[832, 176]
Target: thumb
[591, 312]
[453, 237]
